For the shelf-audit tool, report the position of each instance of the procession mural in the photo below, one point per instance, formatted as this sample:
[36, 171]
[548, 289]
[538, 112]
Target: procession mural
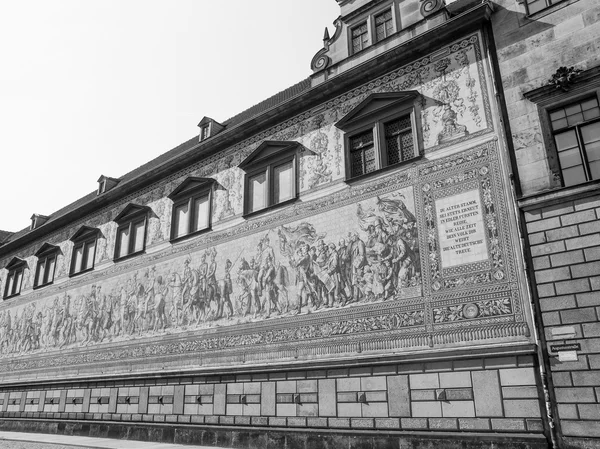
[419, 257]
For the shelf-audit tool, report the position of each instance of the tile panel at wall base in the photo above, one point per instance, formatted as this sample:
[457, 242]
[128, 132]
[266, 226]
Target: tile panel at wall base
[277, 438]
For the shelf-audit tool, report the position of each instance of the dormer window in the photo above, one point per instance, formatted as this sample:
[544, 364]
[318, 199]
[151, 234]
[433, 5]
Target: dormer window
[14, 280]
[380, 132]
[46, 265]
[131, 233]
[84, 250]
[191, 207]
[208, 128]
[105, 184]
[37, 220]
[271, 176]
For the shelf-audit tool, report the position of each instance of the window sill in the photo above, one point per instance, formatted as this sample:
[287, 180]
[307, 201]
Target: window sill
[190, 235]
[11, 296]
[383, 170]
[35, 287]
[80, 272]
[560, 194]
[267, 209]
[549, 10]
[129, 256]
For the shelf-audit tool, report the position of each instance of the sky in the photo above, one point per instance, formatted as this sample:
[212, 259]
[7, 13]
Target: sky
[99, 87]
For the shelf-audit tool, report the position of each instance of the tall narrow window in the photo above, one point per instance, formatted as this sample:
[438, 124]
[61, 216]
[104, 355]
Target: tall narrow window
[84, 250]
[576, 130]
[362, 153]
[14, 279]
[384, 25]
[360, 37]
[44, 273]
[131, 232]
[191, 207]
[271, 176]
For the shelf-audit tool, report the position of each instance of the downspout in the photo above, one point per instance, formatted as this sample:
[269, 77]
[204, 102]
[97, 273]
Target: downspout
[542, 352]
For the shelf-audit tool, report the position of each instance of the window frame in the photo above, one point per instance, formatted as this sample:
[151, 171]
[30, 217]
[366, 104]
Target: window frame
[585, 163]
[15, 267]
[366, 22]
[188, 191]
[268, 156]
[83, 238]
[549, 4]
[132, 215]
[394, 106]
[391, 9]
[44, 254]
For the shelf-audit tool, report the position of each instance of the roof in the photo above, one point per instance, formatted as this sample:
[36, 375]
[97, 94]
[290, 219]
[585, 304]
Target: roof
[232, 122]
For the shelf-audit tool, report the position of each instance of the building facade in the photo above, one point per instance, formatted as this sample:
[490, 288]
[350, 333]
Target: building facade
[549, 61]
[339, 266]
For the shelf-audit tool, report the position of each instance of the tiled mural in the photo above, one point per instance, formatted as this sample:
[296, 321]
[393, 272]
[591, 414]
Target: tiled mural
[424, 258]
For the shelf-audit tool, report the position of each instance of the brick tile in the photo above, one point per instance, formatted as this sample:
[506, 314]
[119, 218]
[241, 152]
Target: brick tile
[316, 422]
[557, 303]
[536, 239]
[546, 290]
[424, 381]
[414, 423]
[297, 422]
[568, 258]
[458, 409]
[467, 364]
[588, 429]
[519, 392]
[501, 362]
[373, 383]
[543, 225]
[514, 425]
[587, 203]
[551, 318]
[522, 408]
[443, 423]
[588, 299]
[567, 411]
[398, 396]
[438, 366]
[387, 423]
[549, 248]
[562, 233]
[578, 217]
[580, 364]
[583, 242]
[589, 411]
[348, 384]
[594, 361]
[426, 409]
[595, 283]
[591, 329]
[562, 379]
[362, 423]
[517, 376]
[533, 215]
[566, 395]
[592, 254]
[540, 263]
[534, 425]
[385, 370]
[455, 379]
[589, 228]
[574, 286]
[525, 360]
[339, 422]
[553, 275]
[422, 395]
[586, 314]
[586, 269]
[474, 424]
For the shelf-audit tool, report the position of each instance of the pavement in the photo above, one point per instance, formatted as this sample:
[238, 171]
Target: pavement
[19, 440]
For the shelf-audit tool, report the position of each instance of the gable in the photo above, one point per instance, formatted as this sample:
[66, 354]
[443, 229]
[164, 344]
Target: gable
[376, 104]
[191, 184]
[15, 262]
[131, 210]
[45, 249]
[269, 149]
[84, 232]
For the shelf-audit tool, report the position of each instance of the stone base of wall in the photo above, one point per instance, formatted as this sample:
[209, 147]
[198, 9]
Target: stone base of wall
[267, 438]
[581, 443]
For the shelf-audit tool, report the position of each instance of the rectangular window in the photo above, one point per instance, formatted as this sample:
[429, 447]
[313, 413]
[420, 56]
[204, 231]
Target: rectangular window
[14, 281]
[384, 25]
[131, 237]
[83, 256]
[201, 213]
[191, 207]
[283, 182]
[399, 140]
[576, 130]
[45, 270]
[534, 6]
[360, 37]
[362, 153]
[257, 188]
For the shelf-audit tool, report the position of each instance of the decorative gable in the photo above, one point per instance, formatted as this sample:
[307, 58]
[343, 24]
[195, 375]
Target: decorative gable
[37, 220]
[269, 149]
[84, 232]
[192, 184]
[131, 210]
[376, 104]
[45, 249]
[16, 262]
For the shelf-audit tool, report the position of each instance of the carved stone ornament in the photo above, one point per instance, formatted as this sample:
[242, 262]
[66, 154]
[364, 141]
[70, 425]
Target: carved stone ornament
[428, 7]
[564, 78]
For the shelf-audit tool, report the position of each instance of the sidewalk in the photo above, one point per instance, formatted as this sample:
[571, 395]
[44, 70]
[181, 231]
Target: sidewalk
[47, 441]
